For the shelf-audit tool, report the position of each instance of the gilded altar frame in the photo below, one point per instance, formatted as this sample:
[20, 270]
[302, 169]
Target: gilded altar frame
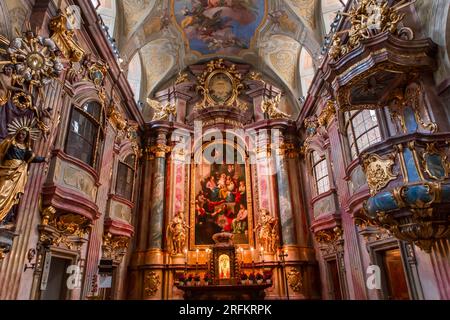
[192, 215]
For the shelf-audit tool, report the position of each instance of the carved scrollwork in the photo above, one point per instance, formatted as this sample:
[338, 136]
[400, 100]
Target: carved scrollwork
[378, 171]
[295, 280]
[114, 247]
[152, 282]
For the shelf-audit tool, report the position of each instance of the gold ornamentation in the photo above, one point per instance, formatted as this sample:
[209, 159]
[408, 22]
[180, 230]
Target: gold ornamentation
[328, 236]
[22, 101]
[66, 229]
[116, 118]
[220, 86]
[151, 284]
[368, 18]
[114, 247]
[255, 76]
[378, 171]
[287, 149]
[160, 150]
[64, 38]
[182, 77]
[327, 114]
[271, 108]
[162, 112]
[295, 280]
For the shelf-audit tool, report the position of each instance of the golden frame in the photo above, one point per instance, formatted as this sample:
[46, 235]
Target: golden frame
[207, 87]
[248, 185]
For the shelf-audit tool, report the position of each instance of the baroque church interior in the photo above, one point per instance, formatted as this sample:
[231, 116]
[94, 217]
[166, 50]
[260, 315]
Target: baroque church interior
[224, 149]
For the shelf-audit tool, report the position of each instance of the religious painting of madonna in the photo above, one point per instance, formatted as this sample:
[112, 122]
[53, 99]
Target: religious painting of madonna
[220, 195]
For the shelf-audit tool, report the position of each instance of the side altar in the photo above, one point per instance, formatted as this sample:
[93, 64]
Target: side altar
[225, 282]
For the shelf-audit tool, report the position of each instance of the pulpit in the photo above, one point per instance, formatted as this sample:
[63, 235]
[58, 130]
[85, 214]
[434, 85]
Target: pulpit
[224, 269]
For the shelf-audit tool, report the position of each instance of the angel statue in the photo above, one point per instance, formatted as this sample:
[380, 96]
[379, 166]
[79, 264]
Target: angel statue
[167, 112]
[270, 108]
[15, 156]
[176, 231]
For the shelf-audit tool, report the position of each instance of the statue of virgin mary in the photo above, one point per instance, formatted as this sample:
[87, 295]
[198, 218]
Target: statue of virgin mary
[15, 156]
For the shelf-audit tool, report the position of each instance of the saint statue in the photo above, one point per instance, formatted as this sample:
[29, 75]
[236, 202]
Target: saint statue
[15, 156]
[267, 234]
[177, 233]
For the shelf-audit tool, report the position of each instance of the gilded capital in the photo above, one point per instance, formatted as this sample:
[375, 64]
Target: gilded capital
[159, 150]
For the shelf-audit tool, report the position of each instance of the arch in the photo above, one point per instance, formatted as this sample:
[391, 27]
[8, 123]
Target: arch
[135, 76]
[307, 70]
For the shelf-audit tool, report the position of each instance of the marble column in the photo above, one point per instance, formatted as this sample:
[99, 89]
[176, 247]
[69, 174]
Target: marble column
[265, 174]
[287, 222]
[159, 150]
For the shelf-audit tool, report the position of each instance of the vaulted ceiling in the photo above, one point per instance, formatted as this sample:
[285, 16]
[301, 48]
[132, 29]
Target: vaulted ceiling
[169, 35]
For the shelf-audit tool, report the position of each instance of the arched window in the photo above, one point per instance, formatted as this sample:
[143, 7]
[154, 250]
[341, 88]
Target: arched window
[135, 76]
[362, 130]
[107, 11]
[84, 133]
[306, 70]
[125, 177]
[320, 171]
[329, 10]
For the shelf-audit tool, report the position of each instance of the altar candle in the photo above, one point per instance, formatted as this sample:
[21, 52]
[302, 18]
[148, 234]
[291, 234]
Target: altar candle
[185, 254]
[196, 256]
[252, 252]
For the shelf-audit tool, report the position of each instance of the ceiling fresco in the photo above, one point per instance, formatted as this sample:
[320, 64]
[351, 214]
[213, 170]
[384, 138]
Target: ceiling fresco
[219, 26]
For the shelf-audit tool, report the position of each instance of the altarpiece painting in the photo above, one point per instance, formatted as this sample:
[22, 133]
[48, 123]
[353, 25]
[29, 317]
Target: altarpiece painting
[220, 195]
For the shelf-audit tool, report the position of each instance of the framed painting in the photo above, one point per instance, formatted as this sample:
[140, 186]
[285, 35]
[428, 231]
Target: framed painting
[220, 195]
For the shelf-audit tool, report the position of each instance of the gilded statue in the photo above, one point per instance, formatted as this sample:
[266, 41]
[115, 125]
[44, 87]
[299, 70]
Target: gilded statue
[268, 233]
[177, 233]
[162, 112]
[15, 156]
[271, 108]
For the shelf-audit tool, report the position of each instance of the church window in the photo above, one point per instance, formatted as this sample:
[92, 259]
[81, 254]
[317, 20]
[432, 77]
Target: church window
[125, 178]
[320, 170]
[84, 133]
[362, 130]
